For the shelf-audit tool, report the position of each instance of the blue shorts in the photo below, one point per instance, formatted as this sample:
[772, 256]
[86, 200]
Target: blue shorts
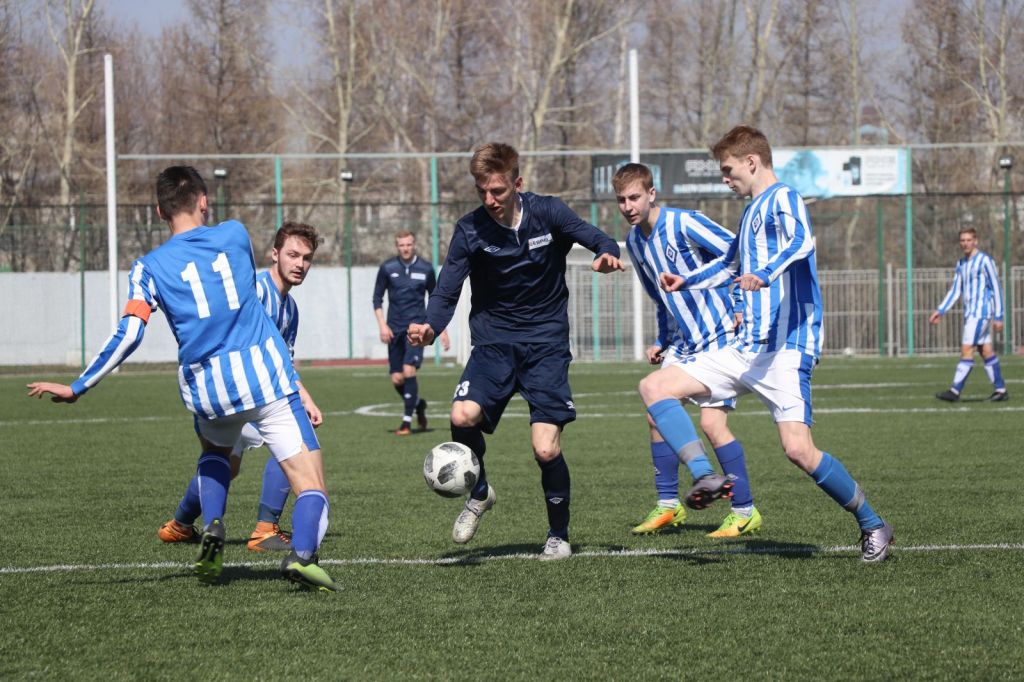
[538, 371]
[401, 353]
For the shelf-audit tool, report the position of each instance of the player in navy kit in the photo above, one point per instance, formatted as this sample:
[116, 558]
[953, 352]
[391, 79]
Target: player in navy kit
[233, 367]
[407, 280]
[513, 250]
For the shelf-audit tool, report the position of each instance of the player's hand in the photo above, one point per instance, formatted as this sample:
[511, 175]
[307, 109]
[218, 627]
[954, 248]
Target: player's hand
[934, 317]
[671, 282]
[446, 343]
[316, 418]
[606, 263]
[997, 325]
[749, 282]
[386, 335]
[737, 320]
[420, 334]
[62, 393]
[655, 354]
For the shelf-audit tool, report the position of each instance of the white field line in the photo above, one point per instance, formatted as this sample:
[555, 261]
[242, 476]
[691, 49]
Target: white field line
[448, 561]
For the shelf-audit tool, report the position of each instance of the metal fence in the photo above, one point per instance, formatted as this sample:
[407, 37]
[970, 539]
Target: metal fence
[611, 318]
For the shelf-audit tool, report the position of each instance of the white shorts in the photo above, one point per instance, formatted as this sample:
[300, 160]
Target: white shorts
[282, 425]
[249, 439]
[781, 379]
[673, 360]
[977, 331]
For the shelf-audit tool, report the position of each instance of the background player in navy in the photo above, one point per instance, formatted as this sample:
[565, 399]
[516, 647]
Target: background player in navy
[689, 322]
[233, 367]
[977, 280]
[291, 256]
[774, 353]
[407, 280]
[513, 250]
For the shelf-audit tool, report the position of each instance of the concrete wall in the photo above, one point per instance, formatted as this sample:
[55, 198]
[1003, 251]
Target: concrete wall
[42, 317]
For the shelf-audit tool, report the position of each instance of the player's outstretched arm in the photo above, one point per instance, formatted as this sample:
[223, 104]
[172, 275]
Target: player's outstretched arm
[61, 393]
[606, 263]
[420, 334]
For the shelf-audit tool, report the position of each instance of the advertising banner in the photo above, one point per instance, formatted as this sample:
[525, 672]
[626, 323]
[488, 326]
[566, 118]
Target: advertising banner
[819, 173]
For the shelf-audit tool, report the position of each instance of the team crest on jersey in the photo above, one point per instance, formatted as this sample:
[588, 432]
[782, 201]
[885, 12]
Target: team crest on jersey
[670, 252]
[492, 249]
[543, 240]
[755, 224]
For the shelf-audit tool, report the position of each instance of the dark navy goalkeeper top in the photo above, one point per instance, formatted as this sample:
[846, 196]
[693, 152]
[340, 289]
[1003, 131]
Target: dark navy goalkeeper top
[406, 286]
[517, 276]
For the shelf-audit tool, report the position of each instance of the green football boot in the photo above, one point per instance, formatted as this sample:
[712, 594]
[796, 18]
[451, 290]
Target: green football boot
[211, 553]
[736, 525]
[661, 517]
[307, 573]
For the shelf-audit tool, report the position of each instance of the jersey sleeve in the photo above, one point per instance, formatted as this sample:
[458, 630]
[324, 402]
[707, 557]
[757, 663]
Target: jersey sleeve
[125, 339]
[953, 294]
[793, 223]
[581, 231]
[717, 272]
[651, 288]
[708, 234]
[379, 287]
[445, 296]
[993, 281]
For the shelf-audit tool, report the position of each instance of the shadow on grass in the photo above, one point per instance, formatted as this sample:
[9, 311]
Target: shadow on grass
[477, 556]
[714, 553]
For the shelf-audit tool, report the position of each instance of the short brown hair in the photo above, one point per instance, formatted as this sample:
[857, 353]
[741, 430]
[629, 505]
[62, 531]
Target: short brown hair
[494, 157]
[303, 231]
[741, 141]
[402, 234]
[967, 230]
[630, 173]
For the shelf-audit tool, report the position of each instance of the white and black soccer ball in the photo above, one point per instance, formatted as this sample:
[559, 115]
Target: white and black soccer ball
[451, 469]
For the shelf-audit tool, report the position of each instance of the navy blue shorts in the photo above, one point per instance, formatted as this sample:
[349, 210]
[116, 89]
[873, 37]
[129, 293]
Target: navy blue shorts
[401, 352]
[538, 371]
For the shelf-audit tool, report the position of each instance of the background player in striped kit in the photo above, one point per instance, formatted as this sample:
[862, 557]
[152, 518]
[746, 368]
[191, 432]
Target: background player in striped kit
[233, 367]
[292, 255]
[975, 278]
[407, 280]
[513, 249]
[667, 239]
[772, 260]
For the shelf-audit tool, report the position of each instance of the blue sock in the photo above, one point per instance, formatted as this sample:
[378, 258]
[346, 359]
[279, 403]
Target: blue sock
[214, 474]
[995, 373]
[189, 508]
[675, 427]
[411, 396]
[554, 479]
[963, 369]
[473, 438]
[832, 477]
[666, 470]
[309, 522]
[730, 457]
[274, 493]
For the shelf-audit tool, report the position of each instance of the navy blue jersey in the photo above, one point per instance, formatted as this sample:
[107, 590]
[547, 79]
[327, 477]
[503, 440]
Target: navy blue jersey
[406, 286]
[517, 276]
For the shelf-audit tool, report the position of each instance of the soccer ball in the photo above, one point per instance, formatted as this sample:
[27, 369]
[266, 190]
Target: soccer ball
[451, 469]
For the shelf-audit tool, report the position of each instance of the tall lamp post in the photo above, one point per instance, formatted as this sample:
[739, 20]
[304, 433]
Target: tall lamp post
[1006, 163]
[346, 177]
[221, 175]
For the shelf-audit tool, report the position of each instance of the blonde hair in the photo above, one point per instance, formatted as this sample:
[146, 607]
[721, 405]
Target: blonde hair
[494, 157]
[742, 141]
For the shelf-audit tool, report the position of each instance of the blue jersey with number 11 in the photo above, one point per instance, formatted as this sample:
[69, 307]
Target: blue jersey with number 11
[231, 356]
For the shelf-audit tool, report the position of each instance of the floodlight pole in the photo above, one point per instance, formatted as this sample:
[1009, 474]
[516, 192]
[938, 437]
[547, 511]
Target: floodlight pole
[634, 108]
[108, 100]
[1006, 163]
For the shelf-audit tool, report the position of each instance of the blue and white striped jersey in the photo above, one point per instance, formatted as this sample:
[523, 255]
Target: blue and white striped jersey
[681, 242]
[775, 243]
[284, 312]
[977, 279]
[231, 356]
